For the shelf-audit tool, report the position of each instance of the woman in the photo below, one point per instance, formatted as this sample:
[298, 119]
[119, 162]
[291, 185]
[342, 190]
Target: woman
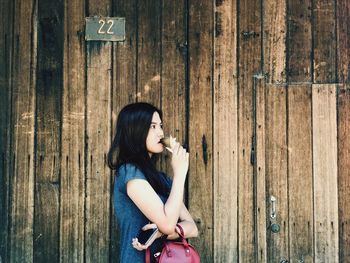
[145, 198]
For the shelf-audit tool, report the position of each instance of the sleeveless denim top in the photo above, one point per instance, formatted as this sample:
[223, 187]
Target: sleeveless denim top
[130, 219]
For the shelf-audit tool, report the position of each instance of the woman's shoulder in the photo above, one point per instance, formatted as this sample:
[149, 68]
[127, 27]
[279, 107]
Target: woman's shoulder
[130, 171]
[128, 167]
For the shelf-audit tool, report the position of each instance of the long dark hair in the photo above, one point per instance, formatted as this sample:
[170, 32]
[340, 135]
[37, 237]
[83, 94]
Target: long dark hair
[129, 143]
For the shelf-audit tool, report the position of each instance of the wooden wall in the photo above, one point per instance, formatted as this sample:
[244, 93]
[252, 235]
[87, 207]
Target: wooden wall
[257, 89]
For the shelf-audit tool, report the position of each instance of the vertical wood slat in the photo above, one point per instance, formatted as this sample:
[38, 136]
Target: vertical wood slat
[299, 47]
[276, 170]
[173, 72]
[249, 41]
[344, 172]
[225, 134]
[324, 136]
[149, 51]
[6, 40]
[260, 172]
[22, 125]
[125, 58]
[343, 40]
[72, 179]
[200, 123]
[124, 88]
[98, 117]
[274, 40]
[48, 124]
[300, 173]
[324, 39]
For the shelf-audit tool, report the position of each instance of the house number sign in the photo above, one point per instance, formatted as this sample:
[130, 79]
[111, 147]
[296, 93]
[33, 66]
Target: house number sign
[105, 28]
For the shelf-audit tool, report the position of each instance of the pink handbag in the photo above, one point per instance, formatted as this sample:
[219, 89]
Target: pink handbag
[176, 252]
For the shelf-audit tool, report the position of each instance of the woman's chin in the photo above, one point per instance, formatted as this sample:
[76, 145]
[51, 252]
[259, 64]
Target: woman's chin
[161, 150]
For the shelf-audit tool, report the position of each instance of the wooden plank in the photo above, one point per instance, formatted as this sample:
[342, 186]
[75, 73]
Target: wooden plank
[200, 123]
[149, 52]
[274, 40]
[249, 41]
[125, 58]
[48, 100]
[225, 134]
[6, 40]
[22, 127]
[98, 116]
[261, 225]
[343, 40]
[173, 73]
[276, 171]
[344, 173]
[48, 124]
[124, 89]
[73, 129]
[324, 137]
[300, 173]
[299, 46]
[324, 39]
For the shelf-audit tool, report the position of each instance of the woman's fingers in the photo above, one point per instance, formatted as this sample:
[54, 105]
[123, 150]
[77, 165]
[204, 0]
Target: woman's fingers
[176, 148]
[149, 226]
[137, 245]
[179, 150]
[179, 161]
[184, 151]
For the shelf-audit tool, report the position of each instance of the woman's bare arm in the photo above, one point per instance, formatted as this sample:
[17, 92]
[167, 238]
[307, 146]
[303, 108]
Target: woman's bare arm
[165, 216]
[187, 223]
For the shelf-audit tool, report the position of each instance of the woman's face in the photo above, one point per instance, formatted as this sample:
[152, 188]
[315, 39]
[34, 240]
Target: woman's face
[155, 133]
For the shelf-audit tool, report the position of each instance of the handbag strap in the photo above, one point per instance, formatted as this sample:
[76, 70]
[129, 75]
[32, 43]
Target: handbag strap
[148, 255]
[181, 234]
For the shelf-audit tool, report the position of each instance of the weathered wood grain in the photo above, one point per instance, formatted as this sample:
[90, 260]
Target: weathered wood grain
[124, 89]
[6, 40]
[344, 172]
[174, 73]
[149, 51]
[274, 40]
[72, 177]
[48, 124]
[249, 41]
[98, 114]
[343, 40]
[299, 41]
[125, 58]
[225, 132]
[23, 81]
[300, 186]
[324, 42]
[324, 137]
[276, 170]
[180, 56]
[200, 179]
[261, 223]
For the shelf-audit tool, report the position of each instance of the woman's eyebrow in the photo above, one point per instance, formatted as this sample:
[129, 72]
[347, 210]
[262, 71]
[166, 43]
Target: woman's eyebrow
[156, 122]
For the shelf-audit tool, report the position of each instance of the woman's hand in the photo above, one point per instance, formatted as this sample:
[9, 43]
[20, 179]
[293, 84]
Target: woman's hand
[179, 160]
[137, 245]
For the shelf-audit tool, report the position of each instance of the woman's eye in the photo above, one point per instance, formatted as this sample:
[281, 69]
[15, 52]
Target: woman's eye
[154, 126]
